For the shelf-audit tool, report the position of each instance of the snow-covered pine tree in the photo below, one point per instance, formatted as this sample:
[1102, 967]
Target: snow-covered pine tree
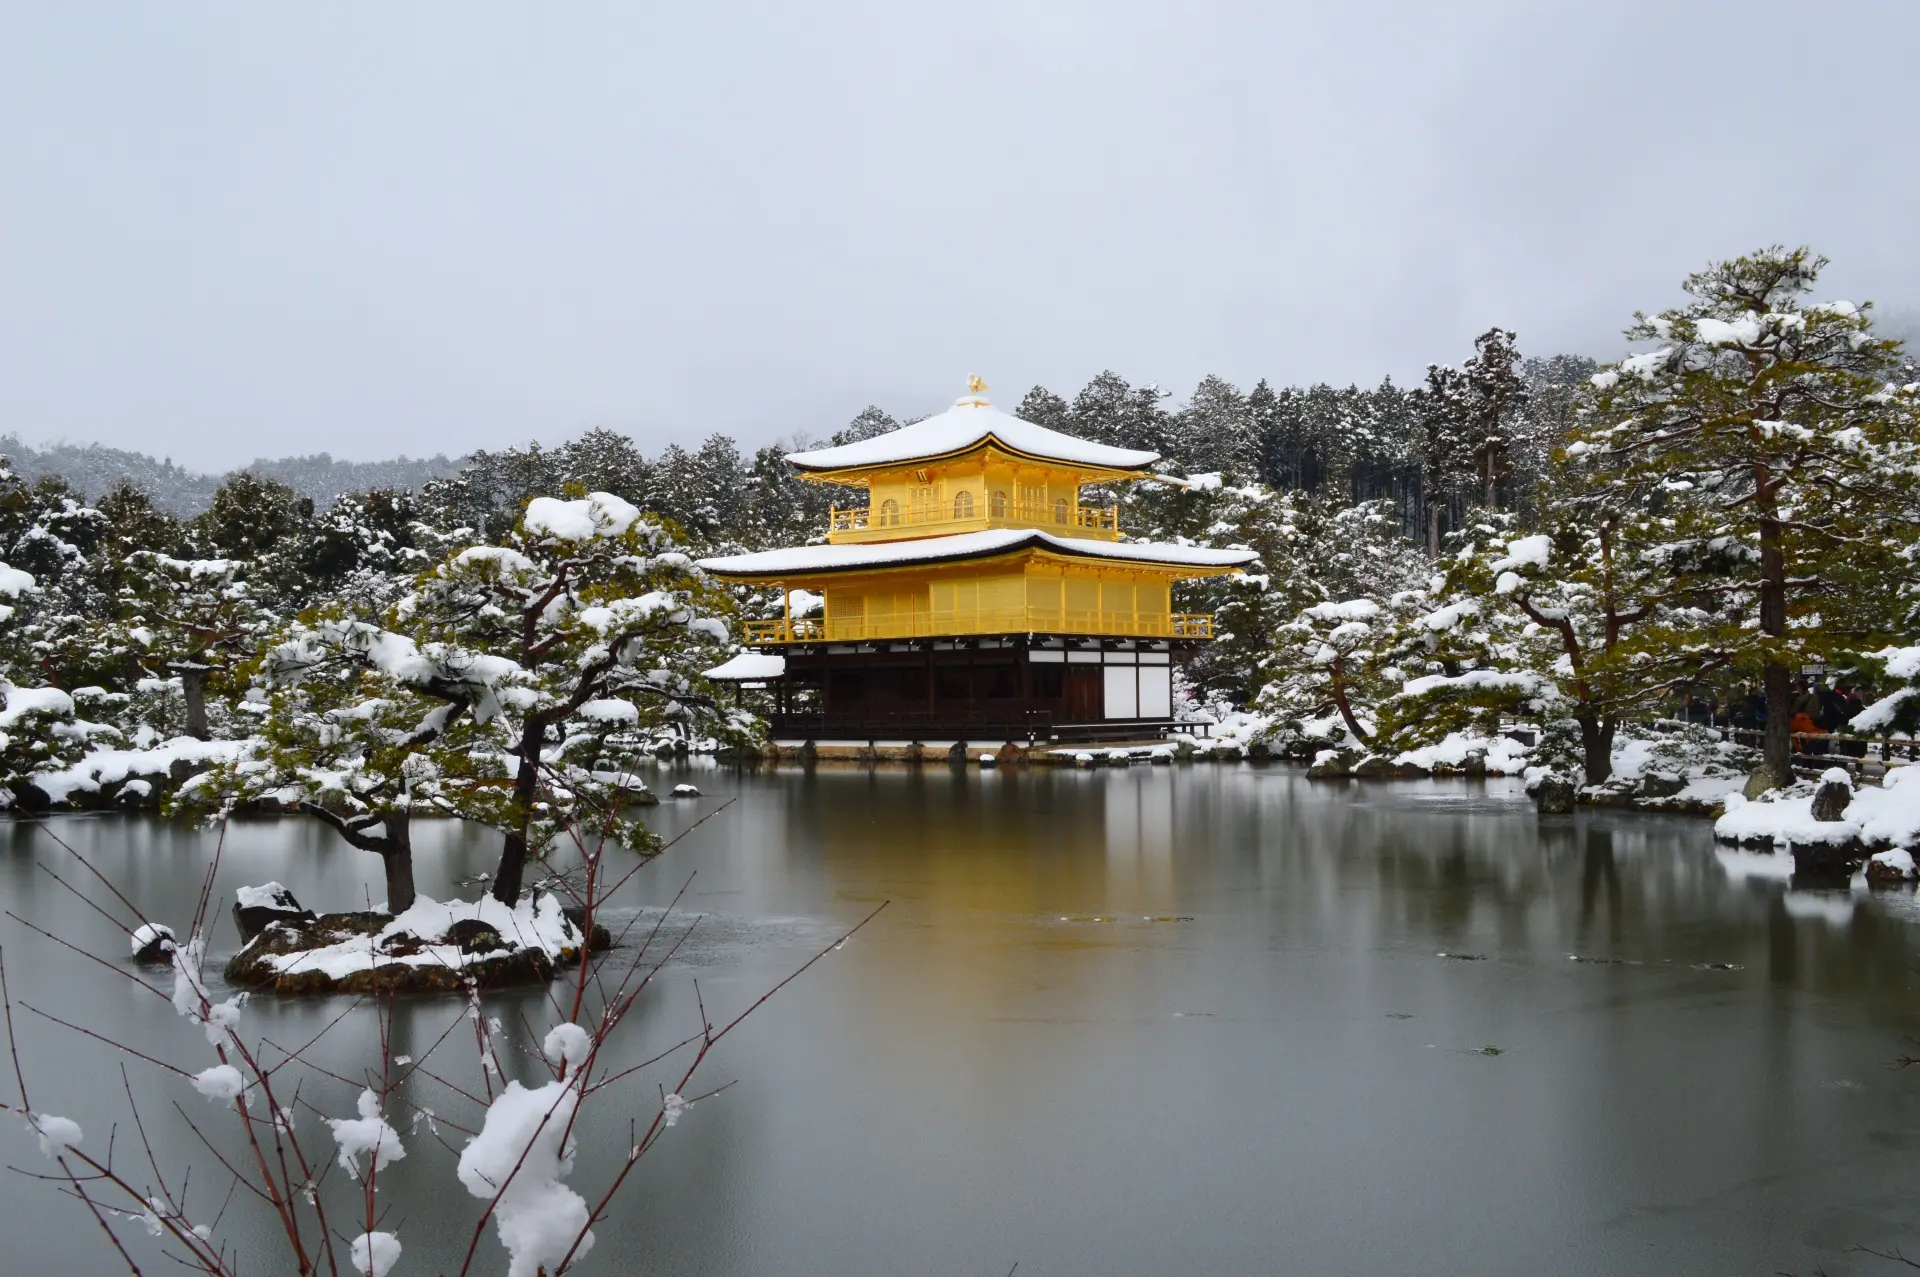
[870, 422]
[1770, 428]
[1584, 606]
[1495, 402]
[358, 722]
[1266, 425]
[1594, 607]
[197, 620]
[41, 735]
[600, 460]
[1460, 657]
[1333, 665]
[1101, 409]
[1440, 413]
[1555, 385]
[1044, 408]
[1214, 433]
[588, 615]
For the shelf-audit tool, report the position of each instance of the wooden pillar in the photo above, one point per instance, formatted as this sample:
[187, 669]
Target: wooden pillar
[1023, 657]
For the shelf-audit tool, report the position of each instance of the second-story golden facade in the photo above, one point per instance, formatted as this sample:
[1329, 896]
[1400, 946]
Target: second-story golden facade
[971, 469]
[974, 524]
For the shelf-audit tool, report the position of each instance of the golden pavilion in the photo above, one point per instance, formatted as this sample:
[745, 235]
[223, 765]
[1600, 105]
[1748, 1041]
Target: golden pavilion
[973, 597]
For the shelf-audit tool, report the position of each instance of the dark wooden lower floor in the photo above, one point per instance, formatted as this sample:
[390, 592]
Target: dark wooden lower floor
[1034, 688]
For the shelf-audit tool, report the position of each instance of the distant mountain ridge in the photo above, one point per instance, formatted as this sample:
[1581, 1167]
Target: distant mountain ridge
[94, 469]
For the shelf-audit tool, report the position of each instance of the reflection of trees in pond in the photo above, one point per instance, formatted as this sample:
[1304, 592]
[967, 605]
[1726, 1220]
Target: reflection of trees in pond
[1598, 870]
[1330, 863]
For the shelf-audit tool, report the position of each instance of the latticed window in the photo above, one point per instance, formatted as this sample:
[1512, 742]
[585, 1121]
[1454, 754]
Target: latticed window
[963, 505]
[997, 505]
[1033, 501]
[1060, 510]
[889, 513]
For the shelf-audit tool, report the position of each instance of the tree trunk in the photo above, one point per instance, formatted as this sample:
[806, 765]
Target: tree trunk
[1596, 744]
[1433, 529]
[1346, 710]
[394, 846]
[1777, 745]
[1776, 677]
[512, 871]
[399, 862]
[193, 686]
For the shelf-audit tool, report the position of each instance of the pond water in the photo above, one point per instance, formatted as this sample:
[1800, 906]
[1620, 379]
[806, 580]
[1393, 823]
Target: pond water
[1146, 1021]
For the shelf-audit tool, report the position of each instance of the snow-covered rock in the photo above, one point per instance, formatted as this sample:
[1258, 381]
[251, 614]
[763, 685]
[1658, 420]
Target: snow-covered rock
[152, 942]
[1887, 815]
[1469, 752]
[1891, 868]
[1830, 800]
[431, 946]
[257, 908]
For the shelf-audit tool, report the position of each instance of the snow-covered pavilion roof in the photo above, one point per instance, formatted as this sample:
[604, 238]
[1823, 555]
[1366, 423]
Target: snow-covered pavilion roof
[811, 560]
[970, 422]
[748, 667]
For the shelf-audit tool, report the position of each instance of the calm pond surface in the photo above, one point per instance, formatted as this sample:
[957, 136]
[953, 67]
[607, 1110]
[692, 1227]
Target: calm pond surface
[1146, 1021]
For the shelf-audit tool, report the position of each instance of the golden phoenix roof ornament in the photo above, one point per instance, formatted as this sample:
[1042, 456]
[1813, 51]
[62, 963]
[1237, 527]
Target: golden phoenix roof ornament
[976, 384]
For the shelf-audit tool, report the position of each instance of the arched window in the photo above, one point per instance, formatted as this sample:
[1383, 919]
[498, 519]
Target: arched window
[889, 513]
[963, 505]
[1060, 510]
[997, 505]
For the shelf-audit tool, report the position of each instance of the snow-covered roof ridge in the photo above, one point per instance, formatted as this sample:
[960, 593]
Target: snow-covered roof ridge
[796, 560]
[748, 666]
[971, 421]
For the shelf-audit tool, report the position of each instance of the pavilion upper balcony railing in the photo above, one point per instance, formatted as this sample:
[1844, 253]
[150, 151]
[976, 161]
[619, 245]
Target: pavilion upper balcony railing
[892, 522]
[814, 629]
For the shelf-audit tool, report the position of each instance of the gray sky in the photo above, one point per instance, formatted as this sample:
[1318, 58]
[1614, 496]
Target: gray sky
[242, 229]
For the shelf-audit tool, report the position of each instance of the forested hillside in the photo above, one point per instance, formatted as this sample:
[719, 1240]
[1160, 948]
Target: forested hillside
[92, 470]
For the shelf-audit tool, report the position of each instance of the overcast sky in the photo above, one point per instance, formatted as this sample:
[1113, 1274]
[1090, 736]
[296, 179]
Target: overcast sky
[244, 229]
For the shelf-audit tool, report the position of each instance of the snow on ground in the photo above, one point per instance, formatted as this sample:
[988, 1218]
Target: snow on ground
[1883, 815]
[1707, 775]
[1710, 789]
[1237, 728]
[1504, 756]
[531, 924]
[103, 767]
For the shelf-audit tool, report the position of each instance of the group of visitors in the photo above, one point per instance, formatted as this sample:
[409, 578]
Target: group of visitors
[1817, 711]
